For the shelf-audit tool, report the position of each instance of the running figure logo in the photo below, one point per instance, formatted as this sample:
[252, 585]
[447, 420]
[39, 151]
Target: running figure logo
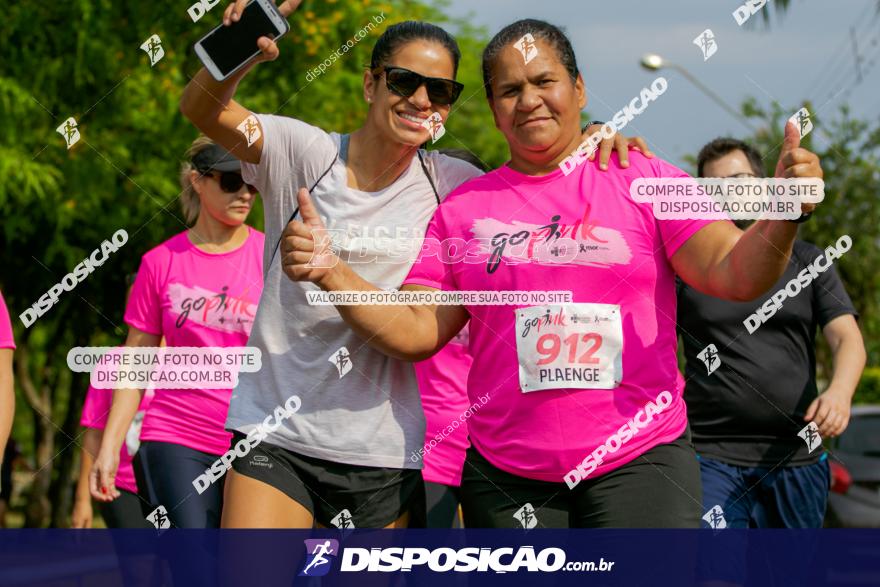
[342, 360]
[706, 42]
[527, 47]
[321, 553]
[153, 48]
[250, 128]
[715, 518]
[434, 125]
[810, 434]
[710, 358]
[69, 131]
[159, 518]
[343, 520]
[526, 516]
[801, 120]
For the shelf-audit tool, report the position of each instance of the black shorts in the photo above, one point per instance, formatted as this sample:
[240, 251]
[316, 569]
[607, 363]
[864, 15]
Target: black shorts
[659, 489]
[337, 494]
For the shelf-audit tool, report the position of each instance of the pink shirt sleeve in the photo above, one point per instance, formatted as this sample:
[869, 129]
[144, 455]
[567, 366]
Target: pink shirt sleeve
[675, 233]
[429, 269]
[144, 309]
[96, 408]
[6, 340]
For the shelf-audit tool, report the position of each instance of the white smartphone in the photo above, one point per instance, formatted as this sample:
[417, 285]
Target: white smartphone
[226, 49]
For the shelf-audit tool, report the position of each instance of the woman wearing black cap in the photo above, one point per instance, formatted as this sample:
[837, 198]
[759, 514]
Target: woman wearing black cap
[199, 288]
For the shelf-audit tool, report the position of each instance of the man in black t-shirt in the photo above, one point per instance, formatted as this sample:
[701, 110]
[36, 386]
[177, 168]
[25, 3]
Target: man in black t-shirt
[751, 394]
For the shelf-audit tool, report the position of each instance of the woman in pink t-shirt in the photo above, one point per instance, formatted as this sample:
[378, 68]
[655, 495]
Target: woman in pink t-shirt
[584, 425]
[199, 288]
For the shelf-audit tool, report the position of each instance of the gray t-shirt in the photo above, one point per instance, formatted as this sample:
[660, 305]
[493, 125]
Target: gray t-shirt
[372, 415]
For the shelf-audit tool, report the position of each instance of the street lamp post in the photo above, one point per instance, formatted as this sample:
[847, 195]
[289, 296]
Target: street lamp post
[653, 62]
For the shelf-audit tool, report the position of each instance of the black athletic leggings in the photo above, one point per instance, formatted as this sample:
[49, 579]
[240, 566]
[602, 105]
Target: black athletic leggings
[660, 489]
[125, 511]
[165, 474]
[442, 504]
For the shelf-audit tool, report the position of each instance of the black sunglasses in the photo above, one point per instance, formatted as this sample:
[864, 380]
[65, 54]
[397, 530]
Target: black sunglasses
[230, 181]
[404, 83]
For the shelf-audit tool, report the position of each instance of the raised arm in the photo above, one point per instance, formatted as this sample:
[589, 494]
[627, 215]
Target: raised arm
[208, 104]
[409, 333]
[722, 261]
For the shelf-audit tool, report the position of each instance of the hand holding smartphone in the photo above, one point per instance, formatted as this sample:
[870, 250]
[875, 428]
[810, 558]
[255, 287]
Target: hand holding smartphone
[233, 44]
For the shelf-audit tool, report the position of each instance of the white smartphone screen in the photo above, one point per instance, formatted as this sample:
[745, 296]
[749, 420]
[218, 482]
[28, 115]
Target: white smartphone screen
[230, 46]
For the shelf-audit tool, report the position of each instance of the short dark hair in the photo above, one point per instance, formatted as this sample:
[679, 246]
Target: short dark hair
[722, 146]
[539, 29]
[408, 31]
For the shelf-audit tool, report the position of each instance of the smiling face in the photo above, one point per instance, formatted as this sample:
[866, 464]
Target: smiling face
[400, 119]
[536, 105]
[229, 209]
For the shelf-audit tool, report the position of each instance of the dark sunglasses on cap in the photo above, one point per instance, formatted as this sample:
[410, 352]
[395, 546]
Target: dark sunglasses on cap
[404, 83]
[230, 181]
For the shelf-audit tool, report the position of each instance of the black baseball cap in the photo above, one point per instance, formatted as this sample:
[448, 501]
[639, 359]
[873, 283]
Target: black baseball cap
[215, 158]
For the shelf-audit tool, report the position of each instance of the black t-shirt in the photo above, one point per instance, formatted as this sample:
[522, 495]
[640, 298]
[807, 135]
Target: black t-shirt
[749, 410]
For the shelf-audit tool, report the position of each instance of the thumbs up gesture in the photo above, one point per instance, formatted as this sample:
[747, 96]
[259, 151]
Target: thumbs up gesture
[795, 161]
[306, 254]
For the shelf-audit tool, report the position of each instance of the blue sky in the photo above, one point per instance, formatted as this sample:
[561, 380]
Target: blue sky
[806, 54]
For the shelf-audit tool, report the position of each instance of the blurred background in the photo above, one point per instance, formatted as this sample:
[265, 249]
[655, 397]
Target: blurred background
[82, 58]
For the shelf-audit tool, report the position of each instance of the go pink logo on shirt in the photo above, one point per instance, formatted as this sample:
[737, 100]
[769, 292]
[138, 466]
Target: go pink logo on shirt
[578, 243]
[219, 311]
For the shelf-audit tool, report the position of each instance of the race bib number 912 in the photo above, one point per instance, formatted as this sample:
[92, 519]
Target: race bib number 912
[569, 346]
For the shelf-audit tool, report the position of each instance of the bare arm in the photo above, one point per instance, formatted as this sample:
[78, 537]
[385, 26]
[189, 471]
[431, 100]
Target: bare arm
[409, 333]
[831, 410]
[82, 506]
[126, 401]
[125, 405]
[7, 398]
[722, 261]
[848, 350]
[208, 104]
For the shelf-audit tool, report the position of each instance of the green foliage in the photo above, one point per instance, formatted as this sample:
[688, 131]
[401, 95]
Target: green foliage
[868, 391]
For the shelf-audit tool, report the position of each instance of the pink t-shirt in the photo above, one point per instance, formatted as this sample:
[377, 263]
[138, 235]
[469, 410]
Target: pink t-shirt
[618, 254]
[6, 340]
[443, 387]
[96, 410]
[198, 299]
